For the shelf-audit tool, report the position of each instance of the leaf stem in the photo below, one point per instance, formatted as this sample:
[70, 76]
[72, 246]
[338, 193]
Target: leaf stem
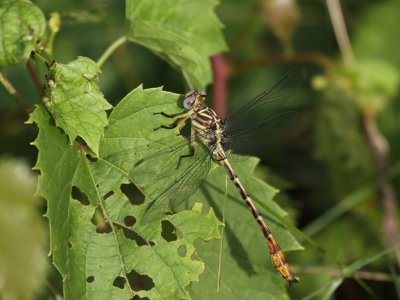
[118, 42]
[34, 78]
[18, 98]
[36, 55]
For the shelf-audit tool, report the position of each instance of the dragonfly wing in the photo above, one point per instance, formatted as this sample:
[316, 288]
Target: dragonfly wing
[264, 118]
[168, 175]
[268, 102]
[249, 140]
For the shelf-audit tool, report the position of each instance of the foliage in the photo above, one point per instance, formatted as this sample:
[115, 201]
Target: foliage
[94, 120]
[179, 32]
[22, 26]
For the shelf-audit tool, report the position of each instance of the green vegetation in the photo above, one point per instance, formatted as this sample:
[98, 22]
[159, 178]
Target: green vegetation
[80, 83]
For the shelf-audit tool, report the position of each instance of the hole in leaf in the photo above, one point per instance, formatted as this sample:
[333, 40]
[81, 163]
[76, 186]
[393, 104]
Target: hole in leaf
[90, 279]
[151, 243]
[109, 194]
[182, 250]
[119, 282]
[136, 297]
[102, 225]
[129, 221]
[78, 195]
[133, 194]
[140, 282]
[91, 158]
[168, 231]
[31, 31]
[69, 244]
[132, 235]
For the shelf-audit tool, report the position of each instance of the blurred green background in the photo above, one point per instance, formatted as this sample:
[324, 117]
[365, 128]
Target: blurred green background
[333, 171]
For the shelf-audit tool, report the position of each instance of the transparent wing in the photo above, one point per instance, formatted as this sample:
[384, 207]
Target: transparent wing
[249, 140]
[263, 119]
[170, 174]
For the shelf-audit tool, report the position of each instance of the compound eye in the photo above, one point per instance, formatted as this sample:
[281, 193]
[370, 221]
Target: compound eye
[188, 101]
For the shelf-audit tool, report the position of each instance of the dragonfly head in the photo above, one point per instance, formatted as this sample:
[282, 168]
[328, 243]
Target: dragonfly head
[192, 97]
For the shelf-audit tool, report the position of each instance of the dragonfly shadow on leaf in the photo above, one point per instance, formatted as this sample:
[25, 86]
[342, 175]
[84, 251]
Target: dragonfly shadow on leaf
[237, 249]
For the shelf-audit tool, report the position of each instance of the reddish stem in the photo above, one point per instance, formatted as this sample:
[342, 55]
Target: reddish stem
[221, 72]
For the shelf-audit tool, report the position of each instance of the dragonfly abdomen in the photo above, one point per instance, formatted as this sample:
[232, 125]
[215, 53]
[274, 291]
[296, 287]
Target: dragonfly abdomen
[277, 257]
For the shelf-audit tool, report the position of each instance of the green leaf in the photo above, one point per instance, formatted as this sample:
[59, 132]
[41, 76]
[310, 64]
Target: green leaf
[23, 239]
[22, 25]
[97, 244]
[247, 272]
[75, 100]
[184, 33]
[244, 248]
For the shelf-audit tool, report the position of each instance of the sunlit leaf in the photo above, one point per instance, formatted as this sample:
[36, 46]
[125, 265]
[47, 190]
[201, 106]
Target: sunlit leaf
[244, 238]
[247, 272]
[76, 102]
[98, 246]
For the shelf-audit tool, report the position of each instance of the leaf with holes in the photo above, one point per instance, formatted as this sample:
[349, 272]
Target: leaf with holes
[22, 25]
[180, 33]
[247, 271]
[120, 149]
[97, 243]
[75, 101]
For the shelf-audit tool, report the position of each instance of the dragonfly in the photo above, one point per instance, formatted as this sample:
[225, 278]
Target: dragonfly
[245, 131]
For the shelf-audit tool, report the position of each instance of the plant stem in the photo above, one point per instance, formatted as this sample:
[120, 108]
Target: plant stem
[10, 88]
[118, 42]
[36, 55]
[379, 149]
[34, 77]
[221, 73]
[336, 272]
[339, 26]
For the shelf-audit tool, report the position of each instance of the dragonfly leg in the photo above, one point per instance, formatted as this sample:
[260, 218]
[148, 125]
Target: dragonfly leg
[171, 116]
[170, 126]
[190, 154]
[180, 118]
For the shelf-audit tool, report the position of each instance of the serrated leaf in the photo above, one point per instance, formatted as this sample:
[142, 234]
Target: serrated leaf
[22, 24]
[93, 245]
[247, 272]
[184, 33]
[76, 102]
[246, 252]
[23, 238]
